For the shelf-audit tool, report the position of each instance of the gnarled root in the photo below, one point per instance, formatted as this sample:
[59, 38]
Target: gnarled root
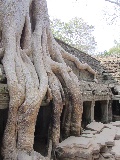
[57, 109]
[34, 63]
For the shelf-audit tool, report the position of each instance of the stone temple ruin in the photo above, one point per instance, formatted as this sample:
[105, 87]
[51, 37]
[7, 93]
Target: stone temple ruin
[101, 105]
[111, 73]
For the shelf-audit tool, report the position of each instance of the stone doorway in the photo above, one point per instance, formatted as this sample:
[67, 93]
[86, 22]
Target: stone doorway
[41, 130]
[3, 121]
[116, 107]
[116, 110]
[101, 111]
[86, 116]
[97, 111]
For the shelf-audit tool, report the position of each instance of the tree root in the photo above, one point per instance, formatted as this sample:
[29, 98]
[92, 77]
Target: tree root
[35, 66]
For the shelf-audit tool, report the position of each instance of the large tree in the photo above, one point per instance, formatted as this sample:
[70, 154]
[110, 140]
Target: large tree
[76, 32]
[34, 65]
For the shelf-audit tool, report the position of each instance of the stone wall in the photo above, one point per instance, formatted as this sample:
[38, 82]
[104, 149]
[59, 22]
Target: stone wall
[111, 65]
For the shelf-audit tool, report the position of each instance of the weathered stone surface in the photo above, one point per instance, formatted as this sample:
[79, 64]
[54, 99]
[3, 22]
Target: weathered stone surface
[87, 135]
[116, 149]
[76, 147]
[110, 126]
[107, 155]
[95, 147]
[95, 126]
[102, 145]
[89, 132]
[80, 142]
[95, 156]
[104, 149]
[116, 123]
[34, 156]
[100, 140]
[111, 67]
[117, 136]
[101, 157]
[74, 152]
[109, 135]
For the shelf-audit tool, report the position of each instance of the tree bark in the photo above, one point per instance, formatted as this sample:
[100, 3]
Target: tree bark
[34, 64]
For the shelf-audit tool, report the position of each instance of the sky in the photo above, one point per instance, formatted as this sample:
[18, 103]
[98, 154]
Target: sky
[93, 12]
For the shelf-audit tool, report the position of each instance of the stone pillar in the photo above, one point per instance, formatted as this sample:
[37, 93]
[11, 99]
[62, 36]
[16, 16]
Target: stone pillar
[92, 110]
[104, 109]
[110, 111]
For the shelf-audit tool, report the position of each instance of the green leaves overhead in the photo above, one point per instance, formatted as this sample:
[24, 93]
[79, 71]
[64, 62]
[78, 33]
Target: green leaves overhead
[76, 33]
[115, 49]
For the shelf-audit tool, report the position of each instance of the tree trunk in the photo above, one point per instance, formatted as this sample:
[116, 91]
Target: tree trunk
[33, 63]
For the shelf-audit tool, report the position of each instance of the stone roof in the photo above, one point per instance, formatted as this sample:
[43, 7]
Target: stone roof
[82, 56]
[85, 58]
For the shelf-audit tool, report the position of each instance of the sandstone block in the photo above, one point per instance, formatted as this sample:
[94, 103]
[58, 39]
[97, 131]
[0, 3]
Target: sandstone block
[95, 126]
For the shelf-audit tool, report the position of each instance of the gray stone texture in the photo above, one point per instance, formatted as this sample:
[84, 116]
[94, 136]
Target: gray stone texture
[102, 145]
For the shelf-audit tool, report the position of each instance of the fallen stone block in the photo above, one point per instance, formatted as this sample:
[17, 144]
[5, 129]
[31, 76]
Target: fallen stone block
[104, 149]
[117, 136]
[72, 153]
[89, 132]
[116, 149]
[80, 142]
[87, 135]
[95, 147]
[95, 156]
[75, 150]
[116, 123]
[110, 143]
[109, 136]
[95, 126]
[101, 157]
[34, 156]
[110, 126]
[107, 155]
[99, 140]
[76, 147]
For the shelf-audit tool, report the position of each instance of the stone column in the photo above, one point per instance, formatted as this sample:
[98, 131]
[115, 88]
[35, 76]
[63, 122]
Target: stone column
[104, 109]
[92, 110]
[110, 111]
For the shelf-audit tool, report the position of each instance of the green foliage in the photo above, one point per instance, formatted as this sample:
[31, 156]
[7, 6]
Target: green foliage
[76, 33]
[114, 50]
[106, 53]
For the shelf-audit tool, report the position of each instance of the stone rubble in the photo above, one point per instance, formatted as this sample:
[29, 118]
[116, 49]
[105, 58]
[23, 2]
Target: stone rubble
[98, 142]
